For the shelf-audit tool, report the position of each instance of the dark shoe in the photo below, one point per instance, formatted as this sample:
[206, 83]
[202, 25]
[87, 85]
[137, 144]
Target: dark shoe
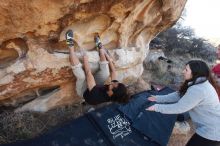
[97, 42]
[69, 38]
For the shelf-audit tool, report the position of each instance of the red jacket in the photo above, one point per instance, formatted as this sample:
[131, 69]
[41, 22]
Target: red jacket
[216, 70]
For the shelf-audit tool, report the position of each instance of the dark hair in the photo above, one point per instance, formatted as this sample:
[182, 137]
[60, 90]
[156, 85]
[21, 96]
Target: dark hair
[199, 69]
[120, 94]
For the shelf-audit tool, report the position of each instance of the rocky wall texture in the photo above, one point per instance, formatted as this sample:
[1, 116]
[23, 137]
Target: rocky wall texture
[35, 72]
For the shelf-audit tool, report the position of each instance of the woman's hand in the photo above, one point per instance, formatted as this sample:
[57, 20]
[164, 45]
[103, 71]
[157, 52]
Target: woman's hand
[151, 98]
[151, 108]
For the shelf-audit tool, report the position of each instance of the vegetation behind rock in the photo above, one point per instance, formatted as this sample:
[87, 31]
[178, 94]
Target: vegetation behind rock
[180, 40]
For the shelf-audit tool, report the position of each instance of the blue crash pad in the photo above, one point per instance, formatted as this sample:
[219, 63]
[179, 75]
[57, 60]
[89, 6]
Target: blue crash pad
[114, 125]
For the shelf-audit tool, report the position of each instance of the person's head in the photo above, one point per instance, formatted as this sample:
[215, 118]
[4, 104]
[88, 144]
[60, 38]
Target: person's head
[118, 92]
[193, 70]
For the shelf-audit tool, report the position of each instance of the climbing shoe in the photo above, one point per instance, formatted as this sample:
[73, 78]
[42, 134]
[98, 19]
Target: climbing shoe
[97, 42]
[69, 38]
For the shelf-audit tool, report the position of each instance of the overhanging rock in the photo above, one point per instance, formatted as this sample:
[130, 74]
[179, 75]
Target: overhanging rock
[33, 52]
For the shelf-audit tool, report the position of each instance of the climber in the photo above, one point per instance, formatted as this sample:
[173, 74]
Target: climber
[90, 86]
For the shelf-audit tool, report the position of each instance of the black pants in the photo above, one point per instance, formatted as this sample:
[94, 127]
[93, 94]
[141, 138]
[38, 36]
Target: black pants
[197, 140]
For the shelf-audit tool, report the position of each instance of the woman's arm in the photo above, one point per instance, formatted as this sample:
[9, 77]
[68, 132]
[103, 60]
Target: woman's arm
[192, 98]
[169, 98]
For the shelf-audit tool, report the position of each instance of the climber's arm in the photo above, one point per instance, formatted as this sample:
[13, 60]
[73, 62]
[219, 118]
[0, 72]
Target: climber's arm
[112, 67]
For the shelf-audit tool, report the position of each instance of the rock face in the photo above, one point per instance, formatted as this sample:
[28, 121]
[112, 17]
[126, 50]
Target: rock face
[34, 64]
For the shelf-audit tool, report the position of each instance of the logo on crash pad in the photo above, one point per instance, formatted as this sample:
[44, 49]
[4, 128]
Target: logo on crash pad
[119, 126]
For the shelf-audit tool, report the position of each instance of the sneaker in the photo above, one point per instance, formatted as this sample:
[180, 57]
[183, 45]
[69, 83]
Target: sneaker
[97, 42]
[69, 38]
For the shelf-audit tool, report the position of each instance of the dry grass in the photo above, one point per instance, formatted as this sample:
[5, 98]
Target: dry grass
[19, 126]
[25, 125]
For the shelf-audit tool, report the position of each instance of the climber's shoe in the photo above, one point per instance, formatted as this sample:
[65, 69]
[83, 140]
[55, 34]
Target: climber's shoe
[98, 42]
[69, 38]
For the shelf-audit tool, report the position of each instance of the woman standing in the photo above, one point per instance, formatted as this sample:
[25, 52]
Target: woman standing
[198, 96]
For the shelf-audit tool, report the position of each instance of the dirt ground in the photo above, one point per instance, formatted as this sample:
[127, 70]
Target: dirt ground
[181, 139]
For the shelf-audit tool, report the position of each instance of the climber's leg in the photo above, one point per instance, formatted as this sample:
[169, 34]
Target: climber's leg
[103, 73]
[76, 65]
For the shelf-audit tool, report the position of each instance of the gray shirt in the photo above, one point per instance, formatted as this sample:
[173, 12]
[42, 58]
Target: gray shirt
[202, 102]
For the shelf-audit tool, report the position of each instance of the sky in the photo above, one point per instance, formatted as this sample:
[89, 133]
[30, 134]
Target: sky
[204, 17]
